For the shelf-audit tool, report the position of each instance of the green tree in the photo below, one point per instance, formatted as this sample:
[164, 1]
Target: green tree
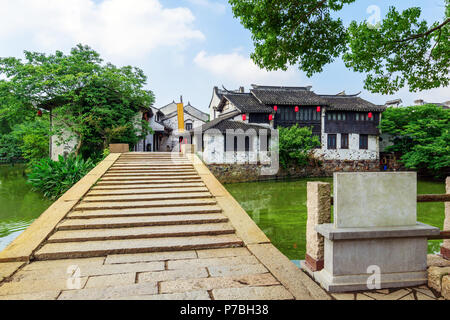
[421, 134]
[98, 102]
[398, 51]
[295, 145]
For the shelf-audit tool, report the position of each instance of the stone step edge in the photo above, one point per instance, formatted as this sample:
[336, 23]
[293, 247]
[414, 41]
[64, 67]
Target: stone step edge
[169, 234]
[148, 205]
[118, 183]
[159, 198]
[144, 214]
[138, 224]
[141, 192]
[102, 253]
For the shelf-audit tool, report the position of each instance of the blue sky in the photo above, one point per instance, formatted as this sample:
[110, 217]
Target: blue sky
[185, 47]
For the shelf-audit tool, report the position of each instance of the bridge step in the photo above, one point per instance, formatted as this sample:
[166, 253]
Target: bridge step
[147, 197]
[150, 169]
[152, 166]
[137, 191]
[128, 222]
[151, 174]
[143, 212]
[142, 232]
[134, 182]
[148, 186]
[143, 204]
[159, 177]
[88, 249]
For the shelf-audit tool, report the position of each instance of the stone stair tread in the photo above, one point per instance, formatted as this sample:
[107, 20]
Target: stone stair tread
[100, 248]
[152, 166]
[89, 214]
[149, 186]
[147, 197]
[144, 204]
[158, 173]
[162, 181]
[141, 232]
[123, 222]
[151, 178]
[137, 191]
[148, 170]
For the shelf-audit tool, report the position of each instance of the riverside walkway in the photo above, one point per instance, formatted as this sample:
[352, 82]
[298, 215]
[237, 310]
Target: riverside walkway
[149, 226]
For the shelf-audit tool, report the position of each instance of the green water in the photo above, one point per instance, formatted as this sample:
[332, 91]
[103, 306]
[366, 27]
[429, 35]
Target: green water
[279, 209]
[19, 206]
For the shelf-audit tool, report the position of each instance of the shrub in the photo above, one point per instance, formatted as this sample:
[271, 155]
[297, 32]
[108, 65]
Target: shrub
[295, 145]
[54, 178]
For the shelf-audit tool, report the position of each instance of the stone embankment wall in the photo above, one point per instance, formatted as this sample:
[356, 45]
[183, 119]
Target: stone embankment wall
[230, 173]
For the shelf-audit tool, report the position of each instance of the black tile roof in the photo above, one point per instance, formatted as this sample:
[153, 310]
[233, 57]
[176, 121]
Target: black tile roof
[224, 123]
[261, 99]
[287, 96]
[245, 102]
[350, 103]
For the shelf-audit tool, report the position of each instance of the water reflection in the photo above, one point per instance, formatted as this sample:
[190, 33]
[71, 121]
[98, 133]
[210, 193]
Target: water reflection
[19, 206]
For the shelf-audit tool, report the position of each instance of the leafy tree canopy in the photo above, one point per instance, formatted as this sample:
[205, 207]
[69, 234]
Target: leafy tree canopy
[98, 102]
[421, 134]
[295, 145]
[401, 50]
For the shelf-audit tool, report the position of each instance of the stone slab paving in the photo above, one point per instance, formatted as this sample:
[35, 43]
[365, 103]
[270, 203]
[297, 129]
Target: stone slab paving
[158, 227]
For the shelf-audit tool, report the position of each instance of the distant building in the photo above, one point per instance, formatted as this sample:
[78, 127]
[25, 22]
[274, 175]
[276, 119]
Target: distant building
[346, 125]
[164, 122]
[394, 103]
[444, 105]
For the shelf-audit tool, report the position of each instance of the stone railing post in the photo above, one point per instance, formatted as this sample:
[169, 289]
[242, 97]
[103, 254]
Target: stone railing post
[445, 249]
[318, 206]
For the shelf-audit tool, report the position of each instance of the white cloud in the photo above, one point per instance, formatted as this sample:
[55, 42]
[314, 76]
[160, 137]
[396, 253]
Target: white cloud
[242, 70]
[120, 28]
[211, 5]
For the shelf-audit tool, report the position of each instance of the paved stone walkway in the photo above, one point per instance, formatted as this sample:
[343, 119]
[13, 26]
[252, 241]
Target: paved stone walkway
[157, 227]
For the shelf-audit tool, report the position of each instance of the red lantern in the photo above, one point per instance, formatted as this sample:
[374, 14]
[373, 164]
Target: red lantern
[318, 109]
[39, 113]
[275, 108]
[296, 108]
[270, 117]
[244, 117]
[370, 115]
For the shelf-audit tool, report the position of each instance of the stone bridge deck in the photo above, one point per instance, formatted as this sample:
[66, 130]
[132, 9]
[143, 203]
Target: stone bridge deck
[149, 226]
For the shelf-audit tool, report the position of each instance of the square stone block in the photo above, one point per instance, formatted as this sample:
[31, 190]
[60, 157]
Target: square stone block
[354, 257]
[375, 199]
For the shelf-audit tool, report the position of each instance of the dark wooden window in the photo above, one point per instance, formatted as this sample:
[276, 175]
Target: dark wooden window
[188, 126]
[344, 140]
[235, 144]
[247, 144]
[258, 118]
[363, 141]
[331, 141]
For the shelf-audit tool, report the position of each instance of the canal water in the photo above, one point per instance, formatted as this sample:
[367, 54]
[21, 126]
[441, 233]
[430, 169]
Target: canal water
[19, 206]
[279, 209]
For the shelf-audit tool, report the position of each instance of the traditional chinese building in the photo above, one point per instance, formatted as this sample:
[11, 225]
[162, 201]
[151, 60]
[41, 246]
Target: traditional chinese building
[346, 125]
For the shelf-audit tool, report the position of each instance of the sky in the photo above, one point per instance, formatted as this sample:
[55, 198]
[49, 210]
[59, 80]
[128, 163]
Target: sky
[185, 47]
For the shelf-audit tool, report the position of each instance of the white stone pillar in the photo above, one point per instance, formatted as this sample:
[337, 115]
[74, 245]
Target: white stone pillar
[318, 205]
[445, 249]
